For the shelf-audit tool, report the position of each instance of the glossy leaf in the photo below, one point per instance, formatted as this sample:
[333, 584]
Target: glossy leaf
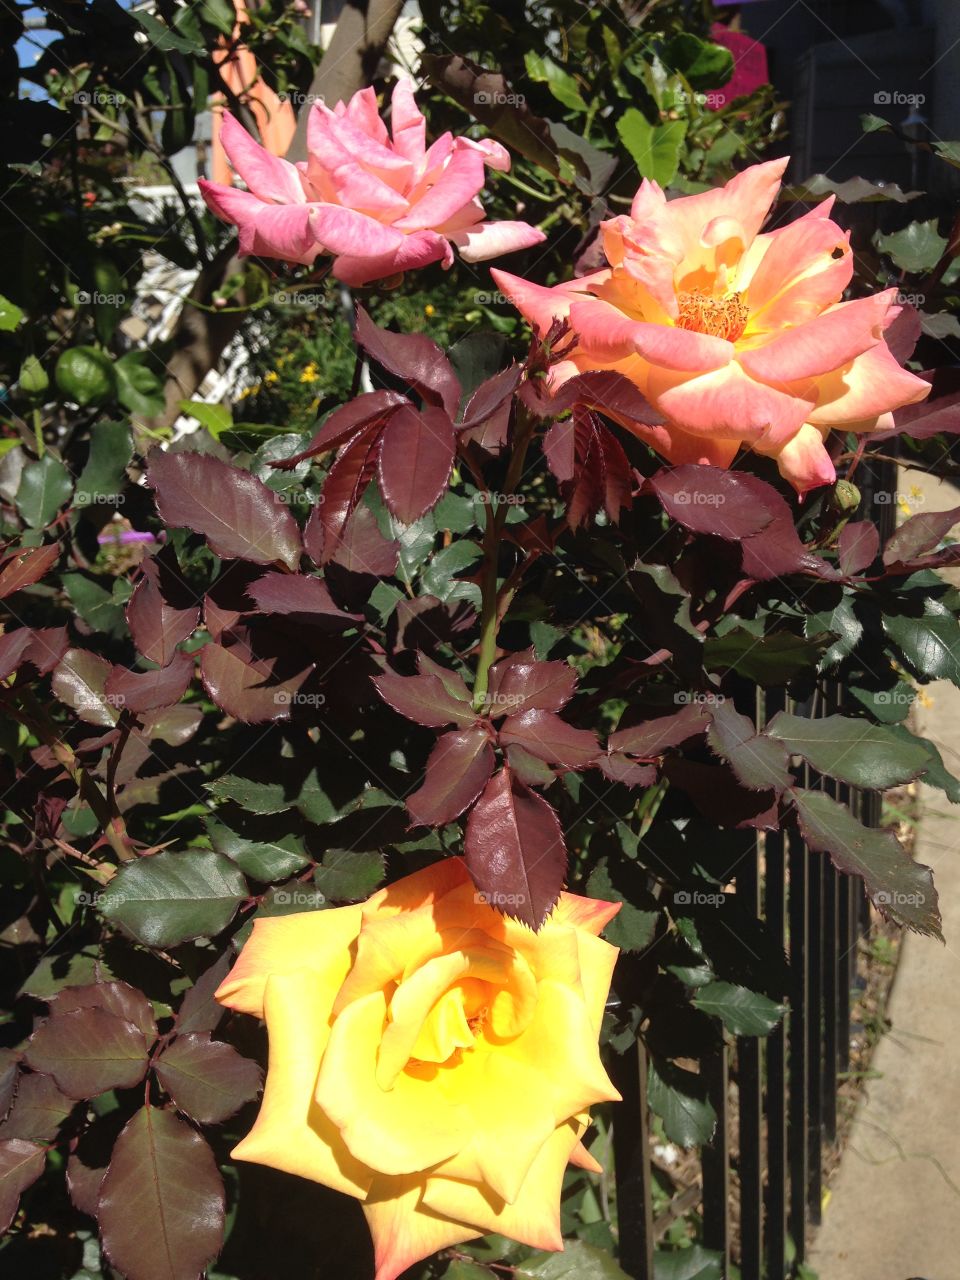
[458, 769]
[742, 1012]
[21, 1164]
[759, 762]
[919, 534]
[551, 739]
[161, 1211]
[171, 897]
[238, 515]
[244, 688]
[899, 887]
[652, 737]
[79, 682]
[163, 610]
[143, 691]
[207, 1079]
[88, 1051]
[38, 1111]
[27, 565]
[413, 357]
[370, 410]
[855, 751]
[858, 546]
[423, 699]
[679, 1098]
[520, 682]
[343, 488]
[515, 850]
[416, 455]
[266, 859]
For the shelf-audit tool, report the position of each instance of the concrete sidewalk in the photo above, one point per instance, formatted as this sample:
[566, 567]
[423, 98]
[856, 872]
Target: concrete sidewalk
[894, 1211]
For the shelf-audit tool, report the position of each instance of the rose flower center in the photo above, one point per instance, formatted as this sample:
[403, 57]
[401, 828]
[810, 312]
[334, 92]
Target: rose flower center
[720, 317]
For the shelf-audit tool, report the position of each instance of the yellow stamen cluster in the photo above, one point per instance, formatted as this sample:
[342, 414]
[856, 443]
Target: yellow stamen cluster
[720, 317]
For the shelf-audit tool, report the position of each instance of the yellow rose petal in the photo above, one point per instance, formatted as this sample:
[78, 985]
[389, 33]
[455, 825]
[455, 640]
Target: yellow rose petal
[396, 1131]
[291, 1131]
[316, 940]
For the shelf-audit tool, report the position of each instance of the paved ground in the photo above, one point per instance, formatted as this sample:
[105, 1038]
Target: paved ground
[894, 1211]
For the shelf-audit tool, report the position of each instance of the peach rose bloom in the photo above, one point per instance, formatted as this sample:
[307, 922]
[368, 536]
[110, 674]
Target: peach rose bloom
[430, 1057]
[738, 339]
[381, 202]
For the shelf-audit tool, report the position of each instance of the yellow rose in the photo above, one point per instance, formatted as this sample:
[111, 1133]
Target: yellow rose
[430, 1057]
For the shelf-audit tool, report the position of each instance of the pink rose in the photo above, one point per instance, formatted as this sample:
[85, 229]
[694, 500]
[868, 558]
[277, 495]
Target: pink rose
[737, 339]
[381, 205]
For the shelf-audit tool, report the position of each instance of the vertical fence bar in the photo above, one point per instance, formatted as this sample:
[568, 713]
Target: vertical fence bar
[749, 1089]
[775, 1098]
[797, 1100]
[816, 863]
[831, 960]
[631, 1156]
[715, 1156]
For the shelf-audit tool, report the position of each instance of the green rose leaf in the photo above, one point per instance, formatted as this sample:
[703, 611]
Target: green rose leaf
[170, 897]
[654, 147]
[679, 1098]
[900, 888]
[45, 486]
[744, 1012]
[855, 751]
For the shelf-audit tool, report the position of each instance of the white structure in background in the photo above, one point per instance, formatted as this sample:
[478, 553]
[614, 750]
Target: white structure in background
[163, 285]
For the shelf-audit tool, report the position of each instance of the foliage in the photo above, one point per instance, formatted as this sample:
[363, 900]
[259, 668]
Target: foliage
[412, 606]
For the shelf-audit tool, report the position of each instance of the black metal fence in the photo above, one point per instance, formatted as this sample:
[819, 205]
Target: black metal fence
[781, 1111]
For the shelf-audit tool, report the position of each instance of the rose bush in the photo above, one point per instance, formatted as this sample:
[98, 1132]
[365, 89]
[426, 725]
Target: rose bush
[382, 205]
[431, 1057]
[737, 338]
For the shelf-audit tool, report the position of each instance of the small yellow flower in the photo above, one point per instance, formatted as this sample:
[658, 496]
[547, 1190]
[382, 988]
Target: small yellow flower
[309, 374]
[429, 310]
[270, 377]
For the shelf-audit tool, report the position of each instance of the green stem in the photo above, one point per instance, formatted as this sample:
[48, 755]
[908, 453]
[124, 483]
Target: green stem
[38, 431]
[496, 517]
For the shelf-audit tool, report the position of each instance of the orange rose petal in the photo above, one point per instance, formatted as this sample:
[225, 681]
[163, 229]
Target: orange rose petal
[404, 1230]
[291, 1132]
[315, 940]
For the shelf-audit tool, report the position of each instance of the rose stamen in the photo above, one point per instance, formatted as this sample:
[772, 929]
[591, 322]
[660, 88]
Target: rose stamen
[720, 317]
